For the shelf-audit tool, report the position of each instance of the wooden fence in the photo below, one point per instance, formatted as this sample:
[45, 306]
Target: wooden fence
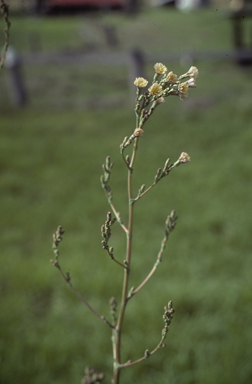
[135, 60]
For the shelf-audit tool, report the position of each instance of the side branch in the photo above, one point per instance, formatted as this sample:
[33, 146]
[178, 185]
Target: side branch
[169, 226]
[126, 142]
[117, 214]
[167, 317]
[57, 238]
[159, 175]
[104, 183]
[106, 233]
[184, 158]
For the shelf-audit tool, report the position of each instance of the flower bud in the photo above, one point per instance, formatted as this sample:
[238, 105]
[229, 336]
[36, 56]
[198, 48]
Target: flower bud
[171, 77]
[160, 100]
[191, 83]
[184, 158]
[193, 72]
[138, 132]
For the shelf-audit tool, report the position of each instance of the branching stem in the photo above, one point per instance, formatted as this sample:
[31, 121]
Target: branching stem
[169, 226]
[118, 262]
[117, 215]
[158, 261]
[130, 363]
[67, 280]
[162, 174]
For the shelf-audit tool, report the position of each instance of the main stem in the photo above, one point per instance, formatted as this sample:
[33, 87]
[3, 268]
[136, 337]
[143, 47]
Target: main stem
[116, 338]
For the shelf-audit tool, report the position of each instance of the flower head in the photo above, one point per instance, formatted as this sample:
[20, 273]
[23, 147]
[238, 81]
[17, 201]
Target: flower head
[171, 77]
[184, 158]
[140, 82]
[156, 89]
[193, 72]
[183, 90]
[138, 132]
[183, 87]
[160, 68]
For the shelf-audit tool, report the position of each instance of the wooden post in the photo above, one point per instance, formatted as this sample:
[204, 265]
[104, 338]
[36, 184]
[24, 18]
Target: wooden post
[110, 35]
[39, 7]
[238, 34]
[15, 82]
[131, 7]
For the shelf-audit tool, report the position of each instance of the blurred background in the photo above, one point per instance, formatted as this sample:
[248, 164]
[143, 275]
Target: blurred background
[66, 102]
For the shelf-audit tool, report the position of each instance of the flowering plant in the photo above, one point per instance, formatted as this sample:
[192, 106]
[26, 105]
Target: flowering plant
[163, 85]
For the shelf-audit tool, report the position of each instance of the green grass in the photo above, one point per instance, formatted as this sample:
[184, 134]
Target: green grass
[156, 30]
[50, 164]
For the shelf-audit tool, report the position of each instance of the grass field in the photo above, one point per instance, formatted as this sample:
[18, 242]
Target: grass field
[50, 163]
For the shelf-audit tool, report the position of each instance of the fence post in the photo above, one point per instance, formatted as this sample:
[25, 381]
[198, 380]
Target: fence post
[15, 82]
[236, 18]
[136, 69]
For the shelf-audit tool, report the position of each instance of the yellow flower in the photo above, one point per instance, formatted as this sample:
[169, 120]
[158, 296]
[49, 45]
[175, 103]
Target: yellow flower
[140, 82]
[193, 72]
[138, 132]
[160, 68]
[183, 87]
[183, 90]
[184, 158]
[156, 89]
[171, 77]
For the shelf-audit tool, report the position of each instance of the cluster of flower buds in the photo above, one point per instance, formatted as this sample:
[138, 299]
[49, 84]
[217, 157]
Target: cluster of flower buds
[105, 177]
[167, 317]
[106, 233]
[164, 84]
[113, 310]
[57, 238]
[171, 221]
[92, 376]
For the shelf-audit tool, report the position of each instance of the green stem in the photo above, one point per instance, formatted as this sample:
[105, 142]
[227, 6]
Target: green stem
[67, 280]
[130, 363]
[117, 215]
[117, 333]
